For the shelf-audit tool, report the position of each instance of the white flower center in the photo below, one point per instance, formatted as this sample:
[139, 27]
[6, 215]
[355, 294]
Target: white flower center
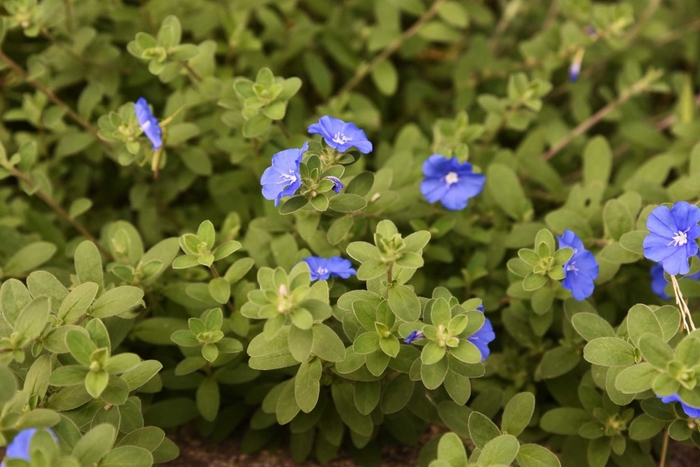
[451, 178]
[572, 267]
[321, 271]
[288, 178]
[340, 138]
[146, 125]
[679, 239]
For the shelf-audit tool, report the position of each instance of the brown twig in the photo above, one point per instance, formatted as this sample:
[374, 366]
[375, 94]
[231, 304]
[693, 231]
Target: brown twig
[59, 210]
[584, 126]
[55, 99]
[363, 71]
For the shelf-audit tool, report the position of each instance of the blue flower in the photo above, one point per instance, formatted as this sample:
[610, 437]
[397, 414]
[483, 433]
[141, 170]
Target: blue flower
[148, 123]
[482, 338]
[324, 268]
[672, 234]
[581, 270]
[337, 184]
[659, 282]
[340, 135]
[283, 178]
[414, 336]
[19, 447]
[451, 183]
[692, 412]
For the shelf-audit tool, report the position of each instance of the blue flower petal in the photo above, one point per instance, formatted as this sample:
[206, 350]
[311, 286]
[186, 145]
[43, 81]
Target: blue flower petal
[482, 338]
[672, 234]
[581, 270]
[341, 135]
[450, 182]
[148, 123]
[282, 178]
[325, 268]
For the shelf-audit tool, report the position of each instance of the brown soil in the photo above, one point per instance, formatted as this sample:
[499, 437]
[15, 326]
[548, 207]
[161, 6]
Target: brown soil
[198, 452]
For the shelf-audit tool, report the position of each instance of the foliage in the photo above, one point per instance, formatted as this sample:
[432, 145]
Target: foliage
[145, 287]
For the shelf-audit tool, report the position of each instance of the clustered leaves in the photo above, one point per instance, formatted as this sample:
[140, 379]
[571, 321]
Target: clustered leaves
[441, 240]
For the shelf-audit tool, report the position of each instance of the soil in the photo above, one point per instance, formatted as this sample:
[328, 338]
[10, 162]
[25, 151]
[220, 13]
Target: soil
[199, 452]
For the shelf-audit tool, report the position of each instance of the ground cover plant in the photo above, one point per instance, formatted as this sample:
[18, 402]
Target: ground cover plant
[328, 226]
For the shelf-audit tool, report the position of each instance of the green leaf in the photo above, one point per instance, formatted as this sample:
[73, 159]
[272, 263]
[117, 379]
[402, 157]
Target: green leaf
[385, 77]
[609, 351]
[641, 320]
[688, 352]
[78, 301]
[645, 427]
[33, 318]
[657, 352]
[434, 375]
[499, 451]
[79, 206]
[591, 326]
[482, 429]
[343, 398]
[636, 378]
[618, 220]
[307, 385]
[397, 394]
[564, 420]
[116, 301]
[96, 382]
[346, 202]
[466, 352]
[326, 344]
[208, 399]
[504, 186]
[597, 161]
[293, 204]
[95, 444]
[367, 396]
[517, 414]
[451, 450]
[127, 456]
[8, 384]
[256, 126]
[88, 263]
[220, 289]
[404, 303]
[30, 257]
[534, 455]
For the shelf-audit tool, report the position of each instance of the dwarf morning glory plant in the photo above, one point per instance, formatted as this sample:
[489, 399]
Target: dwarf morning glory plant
[325, 268]
[283, 177]
[450, 182]
[672, 235]
[340, 135]
[148, 123]
[581, 270]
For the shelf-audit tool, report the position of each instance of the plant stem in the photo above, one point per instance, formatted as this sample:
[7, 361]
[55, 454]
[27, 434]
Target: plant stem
[363, 71]
[55, 99]
[664, 450]
[389, 278]
[637, 88]
[60, 211]
[191, 71]
[682, 306]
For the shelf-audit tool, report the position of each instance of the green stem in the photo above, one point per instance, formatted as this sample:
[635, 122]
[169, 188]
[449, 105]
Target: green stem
[389, 278]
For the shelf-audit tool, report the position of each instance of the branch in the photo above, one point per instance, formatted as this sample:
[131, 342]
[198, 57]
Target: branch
[59, 210]
[363, 71]
[584, 126]
[55, 99]
[191, 71]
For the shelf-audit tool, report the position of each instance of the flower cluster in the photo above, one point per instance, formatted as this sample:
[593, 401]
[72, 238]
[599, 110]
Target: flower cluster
[283, 177]
[581, 270]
